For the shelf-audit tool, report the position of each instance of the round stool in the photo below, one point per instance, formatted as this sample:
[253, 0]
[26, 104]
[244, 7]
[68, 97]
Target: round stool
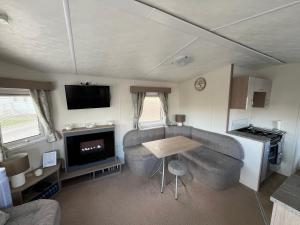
[177, 168]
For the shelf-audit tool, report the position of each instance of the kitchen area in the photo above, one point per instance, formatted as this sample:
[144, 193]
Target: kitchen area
[250, 94]
[266, 122]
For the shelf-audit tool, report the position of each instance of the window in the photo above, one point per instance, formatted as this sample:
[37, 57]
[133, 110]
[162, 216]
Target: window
[18, 119]
[152, 115]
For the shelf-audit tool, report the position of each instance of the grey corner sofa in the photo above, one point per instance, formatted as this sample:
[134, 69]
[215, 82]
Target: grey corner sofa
[217, 163]
[39, 212]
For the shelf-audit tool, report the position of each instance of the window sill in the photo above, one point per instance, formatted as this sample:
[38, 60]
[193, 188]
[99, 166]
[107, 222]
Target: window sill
[24, 143]
[152, 124]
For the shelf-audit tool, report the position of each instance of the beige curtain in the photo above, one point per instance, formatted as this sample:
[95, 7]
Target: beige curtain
[164, 102]
[41, 105]
[3, 152]
[138, 102]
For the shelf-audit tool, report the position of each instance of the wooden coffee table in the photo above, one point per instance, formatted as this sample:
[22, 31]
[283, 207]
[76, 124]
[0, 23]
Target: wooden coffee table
[170, 146]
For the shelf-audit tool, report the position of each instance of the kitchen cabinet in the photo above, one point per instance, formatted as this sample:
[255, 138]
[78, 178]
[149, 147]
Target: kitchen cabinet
[249, 91]
[239, 92]
[286, 199]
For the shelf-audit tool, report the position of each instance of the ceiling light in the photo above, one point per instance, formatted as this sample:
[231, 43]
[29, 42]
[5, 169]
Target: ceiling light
[3, 19]
[182, 60]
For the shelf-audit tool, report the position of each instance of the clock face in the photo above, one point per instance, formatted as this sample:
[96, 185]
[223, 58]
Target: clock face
[200, 84]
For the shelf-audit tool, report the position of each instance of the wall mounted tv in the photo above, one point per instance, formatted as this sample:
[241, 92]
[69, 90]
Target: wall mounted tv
[87, 96]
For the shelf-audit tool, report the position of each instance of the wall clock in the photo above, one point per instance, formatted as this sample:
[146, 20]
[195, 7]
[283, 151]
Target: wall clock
[200, 84]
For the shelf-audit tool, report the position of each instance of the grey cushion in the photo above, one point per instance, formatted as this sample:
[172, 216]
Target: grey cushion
[152, 134]
[213, 161]
[140, 160]
[40, 212]
[177, 167]
[3, 217]
[137, 152]
[172, 131]
[217, 170]
[220, 143]
[137, 137]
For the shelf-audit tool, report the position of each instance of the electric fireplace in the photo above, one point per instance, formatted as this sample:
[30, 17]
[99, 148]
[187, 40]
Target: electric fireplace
[87, 147]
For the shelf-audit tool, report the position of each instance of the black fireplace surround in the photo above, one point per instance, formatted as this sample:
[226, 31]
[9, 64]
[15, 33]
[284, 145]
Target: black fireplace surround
[84, 148]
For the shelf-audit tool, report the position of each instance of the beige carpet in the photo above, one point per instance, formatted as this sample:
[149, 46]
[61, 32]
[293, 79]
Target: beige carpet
[129, 200]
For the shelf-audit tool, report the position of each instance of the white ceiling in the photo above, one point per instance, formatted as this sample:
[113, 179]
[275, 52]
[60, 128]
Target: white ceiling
[119, 43]
[36, 36]
[128, 39]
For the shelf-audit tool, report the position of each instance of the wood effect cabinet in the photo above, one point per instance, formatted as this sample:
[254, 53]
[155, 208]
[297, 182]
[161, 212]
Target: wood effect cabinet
[239, 92]
[286, 199]
[284, 215]
[32, 189]
[248, 91]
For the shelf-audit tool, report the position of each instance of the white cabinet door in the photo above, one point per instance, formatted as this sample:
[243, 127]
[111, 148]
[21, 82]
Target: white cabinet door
[262, 85]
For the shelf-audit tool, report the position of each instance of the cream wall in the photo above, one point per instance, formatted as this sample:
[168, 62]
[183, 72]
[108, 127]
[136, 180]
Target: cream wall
[285, 106]
[207, 109]
[121, 110]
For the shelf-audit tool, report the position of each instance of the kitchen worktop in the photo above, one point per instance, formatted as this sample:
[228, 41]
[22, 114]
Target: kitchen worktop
[249, 136]
[288, 194]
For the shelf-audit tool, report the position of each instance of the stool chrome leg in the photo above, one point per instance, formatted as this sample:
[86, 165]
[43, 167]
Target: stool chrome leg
[176, 187]
[163, 176]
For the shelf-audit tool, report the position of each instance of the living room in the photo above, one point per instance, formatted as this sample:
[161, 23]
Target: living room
[169, 72]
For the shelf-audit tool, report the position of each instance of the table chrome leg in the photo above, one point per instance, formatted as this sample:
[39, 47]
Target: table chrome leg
[158, 170]
[176, 187]
[182, 182]
[163, 176]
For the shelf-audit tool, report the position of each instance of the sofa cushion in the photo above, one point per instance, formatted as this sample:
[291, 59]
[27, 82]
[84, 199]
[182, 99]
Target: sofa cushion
[138, 152]
[213, 161]
[3, 217]
[140, 161]
[137, 137]
[152, 134]
[220, 143]
[172, 131]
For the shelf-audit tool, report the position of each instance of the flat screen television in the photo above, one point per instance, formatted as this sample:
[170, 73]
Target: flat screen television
[89, 96]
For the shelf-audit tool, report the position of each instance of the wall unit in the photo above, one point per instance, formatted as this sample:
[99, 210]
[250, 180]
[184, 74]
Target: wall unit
[90, 151]
[248, 91]
[37, 187]
[286, 199]
[86, 147]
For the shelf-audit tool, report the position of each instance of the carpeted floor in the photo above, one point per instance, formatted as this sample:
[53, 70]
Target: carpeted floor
[129, 200]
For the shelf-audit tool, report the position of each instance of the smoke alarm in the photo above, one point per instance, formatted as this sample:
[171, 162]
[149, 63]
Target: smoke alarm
[182, 60]
[3, 19]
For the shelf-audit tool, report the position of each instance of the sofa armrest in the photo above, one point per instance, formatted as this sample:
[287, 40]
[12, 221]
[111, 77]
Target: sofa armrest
[44, 211]
[131, 138]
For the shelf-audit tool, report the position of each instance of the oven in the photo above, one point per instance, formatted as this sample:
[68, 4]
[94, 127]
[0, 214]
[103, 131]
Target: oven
[272, 151]
[275, 150]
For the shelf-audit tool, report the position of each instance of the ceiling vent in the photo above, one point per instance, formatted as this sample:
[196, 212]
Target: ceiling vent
[182, 60]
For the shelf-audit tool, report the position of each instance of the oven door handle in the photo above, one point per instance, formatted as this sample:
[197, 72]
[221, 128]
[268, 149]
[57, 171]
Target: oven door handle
[275, 145]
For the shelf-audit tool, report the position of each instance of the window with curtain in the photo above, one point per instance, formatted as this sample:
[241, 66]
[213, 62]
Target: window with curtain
[19, 122]
[152, 114]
